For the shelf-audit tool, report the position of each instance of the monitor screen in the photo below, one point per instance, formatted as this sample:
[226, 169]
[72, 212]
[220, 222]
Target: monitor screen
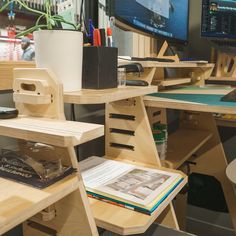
[219, 19]
[160, 18]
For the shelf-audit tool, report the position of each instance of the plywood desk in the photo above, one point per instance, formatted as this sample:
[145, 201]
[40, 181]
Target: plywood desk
[128, 134]
[185, 72]
[198, 134]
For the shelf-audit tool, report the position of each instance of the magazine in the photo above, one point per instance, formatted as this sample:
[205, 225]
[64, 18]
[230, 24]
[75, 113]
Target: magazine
[136, 187]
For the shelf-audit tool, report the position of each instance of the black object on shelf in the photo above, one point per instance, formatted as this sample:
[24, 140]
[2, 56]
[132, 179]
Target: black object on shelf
[230, 97]
[24, 169]
[152, 59]
[8, 113]
[132, 68]
[99, 67]
[136, 82]
[221, 82]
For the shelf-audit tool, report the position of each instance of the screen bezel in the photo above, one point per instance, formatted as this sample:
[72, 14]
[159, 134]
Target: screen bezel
[125, 25]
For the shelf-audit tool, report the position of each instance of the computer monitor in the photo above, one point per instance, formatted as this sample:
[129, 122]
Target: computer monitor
[166, 19]
[219, 19]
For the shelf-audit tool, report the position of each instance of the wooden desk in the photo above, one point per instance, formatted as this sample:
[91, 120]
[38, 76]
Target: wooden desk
[128, 135]
[185, 72]
[197, 105]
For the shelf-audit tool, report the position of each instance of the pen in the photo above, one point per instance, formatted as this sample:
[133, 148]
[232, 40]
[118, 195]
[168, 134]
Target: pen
[91, 29]
[96, 37]
[109, 37]
[103, 37]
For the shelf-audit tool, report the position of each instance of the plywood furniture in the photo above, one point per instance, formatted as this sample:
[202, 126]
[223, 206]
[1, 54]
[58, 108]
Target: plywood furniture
[6, 72]
[128, 138]
[197, 138]
[185, 72]
[63, 208]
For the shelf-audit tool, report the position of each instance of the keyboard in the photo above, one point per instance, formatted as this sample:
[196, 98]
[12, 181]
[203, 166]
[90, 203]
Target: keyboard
[152, 59]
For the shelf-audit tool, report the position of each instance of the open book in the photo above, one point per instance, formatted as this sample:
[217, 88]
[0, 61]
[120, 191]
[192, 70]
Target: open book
[134, 187]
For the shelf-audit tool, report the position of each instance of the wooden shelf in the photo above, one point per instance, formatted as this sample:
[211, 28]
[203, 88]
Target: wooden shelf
[168, 64]
[173, 81]
[19, 202]
[124, 221]
[183, 144]
[50, 131]
[6, 72]
[200, 106]
[89, 96]
[226, 122]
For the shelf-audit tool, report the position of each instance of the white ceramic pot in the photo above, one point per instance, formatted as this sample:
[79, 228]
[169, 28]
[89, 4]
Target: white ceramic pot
[62, 52]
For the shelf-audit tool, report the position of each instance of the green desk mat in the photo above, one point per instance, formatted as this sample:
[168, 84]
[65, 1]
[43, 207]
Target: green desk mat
[208, 99]
[197, 88]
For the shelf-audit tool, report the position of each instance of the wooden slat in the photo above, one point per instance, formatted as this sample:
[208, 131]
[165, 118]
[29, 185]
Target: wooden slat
[168, 64]
[173, 81]
[50, 131]
[88, 96]
[183, 105]
[6, 72]
[181, 149]
[123, 221]
[19, 202]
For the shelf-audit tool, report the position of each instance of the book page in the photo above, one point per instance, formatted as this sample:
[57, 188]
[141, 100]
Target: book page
[133, 183]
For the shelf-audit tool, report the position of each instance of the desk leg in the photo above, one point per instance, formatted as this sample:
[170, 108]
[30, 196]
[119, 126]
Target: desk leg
[168, 218]
[211, 160]
[133, 117]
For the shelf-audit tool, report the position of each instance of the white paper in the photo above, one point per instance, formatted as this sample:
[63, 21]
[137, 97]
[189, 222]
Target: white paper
[129, 182]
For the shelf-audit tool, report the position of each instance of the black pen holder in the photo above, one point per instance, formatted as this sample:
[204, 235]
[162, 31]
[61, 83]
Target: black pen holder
[99, 67]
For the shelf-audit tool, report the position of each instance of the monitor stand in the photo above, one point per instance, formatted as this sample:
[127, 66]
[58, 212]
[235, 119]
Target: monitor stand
[225, 70]
[162, 51]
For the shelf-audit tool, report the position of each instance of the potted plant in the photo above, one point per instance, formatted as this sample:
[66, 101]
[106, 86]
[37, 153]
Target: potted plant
[57, 49]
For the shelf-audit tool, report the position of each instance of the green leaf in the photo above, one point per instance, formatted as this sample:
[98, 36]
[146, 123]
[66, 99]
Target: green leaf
[52, 22]
[30, 30]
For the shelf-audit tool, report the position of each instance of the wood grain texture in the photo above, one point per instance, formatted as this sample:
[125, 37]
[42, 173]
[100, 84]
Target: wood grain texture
[50, 131]
[87, 96]
[19, 202]
[6, 72]
[182, 144]
[184, 105]
[126, 222]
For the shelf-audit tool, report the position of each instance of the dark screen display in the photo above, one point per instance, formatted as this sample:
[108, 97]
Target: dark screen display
[219, 19]
[166, 18]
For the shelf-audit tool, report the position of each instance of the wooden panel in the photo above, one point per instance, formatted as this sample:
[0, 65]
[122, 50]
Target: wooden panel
[173, 81]
[183, 144]
[124, 221]
[19, 202]
[6, 72]
[87, 96]
[50, 131]
[183, 105]
[168, 64]
[144, 146]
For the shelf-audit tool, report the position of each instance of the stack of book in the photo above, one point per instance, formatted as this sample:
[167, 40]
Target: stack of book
[133, 187]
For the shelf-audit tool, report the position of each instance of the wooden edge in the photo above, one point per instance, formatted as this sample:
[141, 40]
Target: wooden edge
[182, 105]
[138, 229]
